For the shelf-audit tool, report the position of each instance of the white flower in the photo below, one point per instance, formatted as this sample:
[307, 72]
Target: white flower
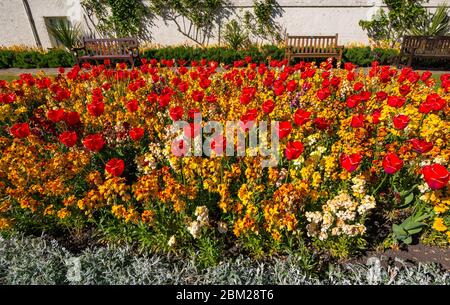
[172, 241]
[423, 188]
[202, 215]
[367, 203]
[194, 229]
[439, 160]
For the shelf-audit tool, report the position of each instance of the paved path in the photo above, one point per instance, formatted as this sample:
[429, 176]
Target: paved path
[17, 71]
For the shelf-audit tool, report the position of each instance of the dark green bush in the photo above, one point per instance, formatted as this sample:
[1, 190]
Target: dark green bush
[361, 56]
[59, 58]
[385, 56]
[6, 59]
[30, 59]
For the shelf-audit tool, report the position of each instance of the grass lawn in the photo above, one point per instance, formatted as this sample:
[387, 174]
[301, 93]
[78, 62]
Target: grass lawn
[8, 77]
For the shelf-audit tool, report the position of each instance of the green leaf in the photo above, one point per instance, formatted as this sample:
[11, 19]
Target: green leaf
[408, 240]
[409, 198]
[415, 231]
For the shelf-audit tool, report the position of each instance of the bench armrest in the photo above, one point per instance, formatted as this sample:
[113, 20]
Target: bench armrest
[134, 51]
[75, 50]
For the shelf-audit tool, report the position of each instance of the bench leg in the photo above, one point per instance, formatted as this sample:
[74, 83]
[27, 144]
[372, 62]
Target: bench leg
[288, 58]
[410, 60]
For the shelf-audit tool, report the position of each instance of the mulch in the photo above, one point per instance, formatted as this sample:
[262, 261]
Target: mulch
[412, 254]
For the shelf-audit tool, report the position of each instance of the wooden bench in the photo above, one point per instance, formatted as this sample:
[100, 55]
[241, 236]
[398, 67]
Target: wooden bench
[126, 49]
[313, 47]
[424, 46]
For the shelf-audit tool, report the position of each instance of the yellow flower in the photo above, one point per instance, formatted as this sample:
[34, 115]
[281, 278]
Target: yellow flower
[439, 225]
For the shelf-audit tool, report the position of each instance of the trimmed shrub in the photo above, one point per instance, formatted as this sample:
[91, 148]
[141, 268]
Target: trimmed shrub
[59, 58]
[6, 59]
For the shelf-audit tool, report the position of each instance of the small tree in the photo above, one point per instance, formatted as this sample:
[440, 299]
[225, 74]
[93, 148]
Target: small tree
[195, 19]
[235, 36]
[433, 24]
[391, 25]
[119, 18]
[261, 23]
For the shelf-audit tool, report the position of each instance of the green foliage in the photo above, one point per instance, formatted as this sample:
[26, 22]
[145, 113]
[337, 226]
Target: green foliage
[66, 33]
[30, 59]
[119, 18]
[385, 56]
[261, 23]
[42, 261]
[234, 36]
[59, 58]
[7, 59]
[437, 24]
[195, 19]
[411, 226]
[361, 56]
[392, 24]
[364, 56]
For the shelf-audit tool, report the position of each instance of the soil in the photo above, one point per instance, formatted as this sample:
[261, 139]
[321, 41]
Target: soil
[412, 254]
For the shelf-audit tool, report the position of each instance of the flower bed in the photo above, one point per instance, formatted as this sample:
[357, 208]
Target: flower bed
[362, 158]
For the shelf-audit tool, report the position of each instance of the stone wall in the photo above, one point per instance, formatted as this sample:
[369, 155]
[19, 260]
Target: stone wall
[308, 17]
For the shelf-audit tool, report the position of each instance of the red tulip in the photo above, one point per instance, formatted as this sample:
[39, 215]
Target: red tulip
[396, 101]
[349, 66]
[404, 89]
[198, 95]
[96, 108]
[293, 150]
[292, 86]
[376, 116]
[301, 116]
[132, 106]
[56, 115]
[401, 121]
[183, 86]
[136, 133]
[350, 162]
[94, 142]
[426, 75]
[20, 130]
[68, 138]
[323, 93]
[176, 113]
[353, 101]
[358, 86]
[72, 118]
[381, 96]
[357, 121]
[436, 176]
[115, 167]
[268, 106]
[192, 112]
[335, 81]
[284, 129]
[392, 163]
[321, 123]
[435, 102]
[211, 98]
[421, 146]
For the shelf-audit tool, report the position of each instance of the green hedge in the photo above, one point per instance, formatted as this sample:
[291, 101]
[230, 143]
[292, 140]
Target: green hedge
[219, 54]
[33, 59]
[361, 56]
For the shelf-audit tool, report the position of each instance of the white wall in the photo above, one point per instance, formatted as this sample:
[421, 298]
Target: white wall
[308, 17]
